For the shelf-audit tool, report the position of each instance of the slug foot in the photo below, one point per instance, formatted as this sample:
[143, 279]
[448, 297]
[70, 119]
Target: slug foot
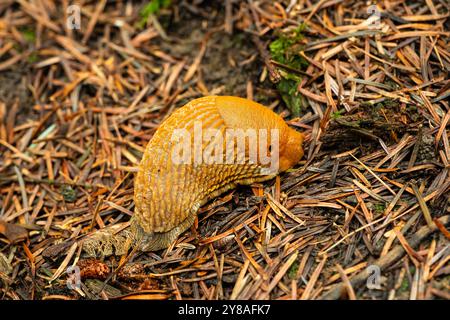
[117, 240]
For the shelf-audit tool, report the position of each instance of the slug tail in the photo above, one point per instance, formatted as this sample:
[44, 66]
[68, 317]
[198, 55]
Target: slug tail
[113, 240]
[118, 240]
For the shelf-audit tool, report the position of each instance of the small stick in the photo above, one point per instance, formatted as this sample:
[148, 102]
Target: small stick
[273, 72]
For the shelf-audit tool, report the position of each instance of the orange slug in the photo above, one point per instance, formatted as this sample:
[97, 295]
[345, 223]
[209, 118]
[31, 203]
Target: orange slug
[201, 150]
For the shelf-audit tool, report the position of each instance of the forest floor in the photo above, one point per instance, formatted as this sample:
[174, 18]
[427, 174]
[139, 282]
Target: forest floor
[364, 215]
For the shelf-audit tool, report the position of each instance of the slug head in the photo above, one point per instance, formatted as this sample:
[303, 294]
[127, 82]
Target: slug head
[246, 114]
[291, 150]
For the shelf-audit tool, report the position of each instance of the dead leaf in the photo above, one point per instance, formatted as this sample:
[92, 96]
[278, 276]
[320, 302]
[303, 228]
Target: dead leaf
[13, 232]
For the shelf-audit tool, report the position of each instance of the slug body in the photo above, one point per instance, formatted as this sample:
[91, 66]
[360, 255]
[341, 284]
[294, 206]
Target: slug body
[193, 157]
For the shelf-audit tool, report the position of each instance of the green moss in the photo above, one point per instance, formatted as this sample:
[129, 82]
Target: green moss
[404, 287]
[292, 272]
[337, 114]
[28, 34]
[285, 50]
[152, 7]
[286, 47]
[69, 194]
[33, 57]
[379, 207]
[289, 93]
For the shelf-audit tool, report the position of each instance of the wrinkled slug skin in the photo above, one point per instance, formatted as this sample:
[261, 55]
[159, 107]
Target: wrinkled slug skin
[167, 193]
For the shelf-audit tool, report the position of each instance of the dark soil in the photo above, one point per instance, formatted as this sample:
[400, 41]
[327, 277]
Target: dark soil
[14, 88]
[230, 61]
